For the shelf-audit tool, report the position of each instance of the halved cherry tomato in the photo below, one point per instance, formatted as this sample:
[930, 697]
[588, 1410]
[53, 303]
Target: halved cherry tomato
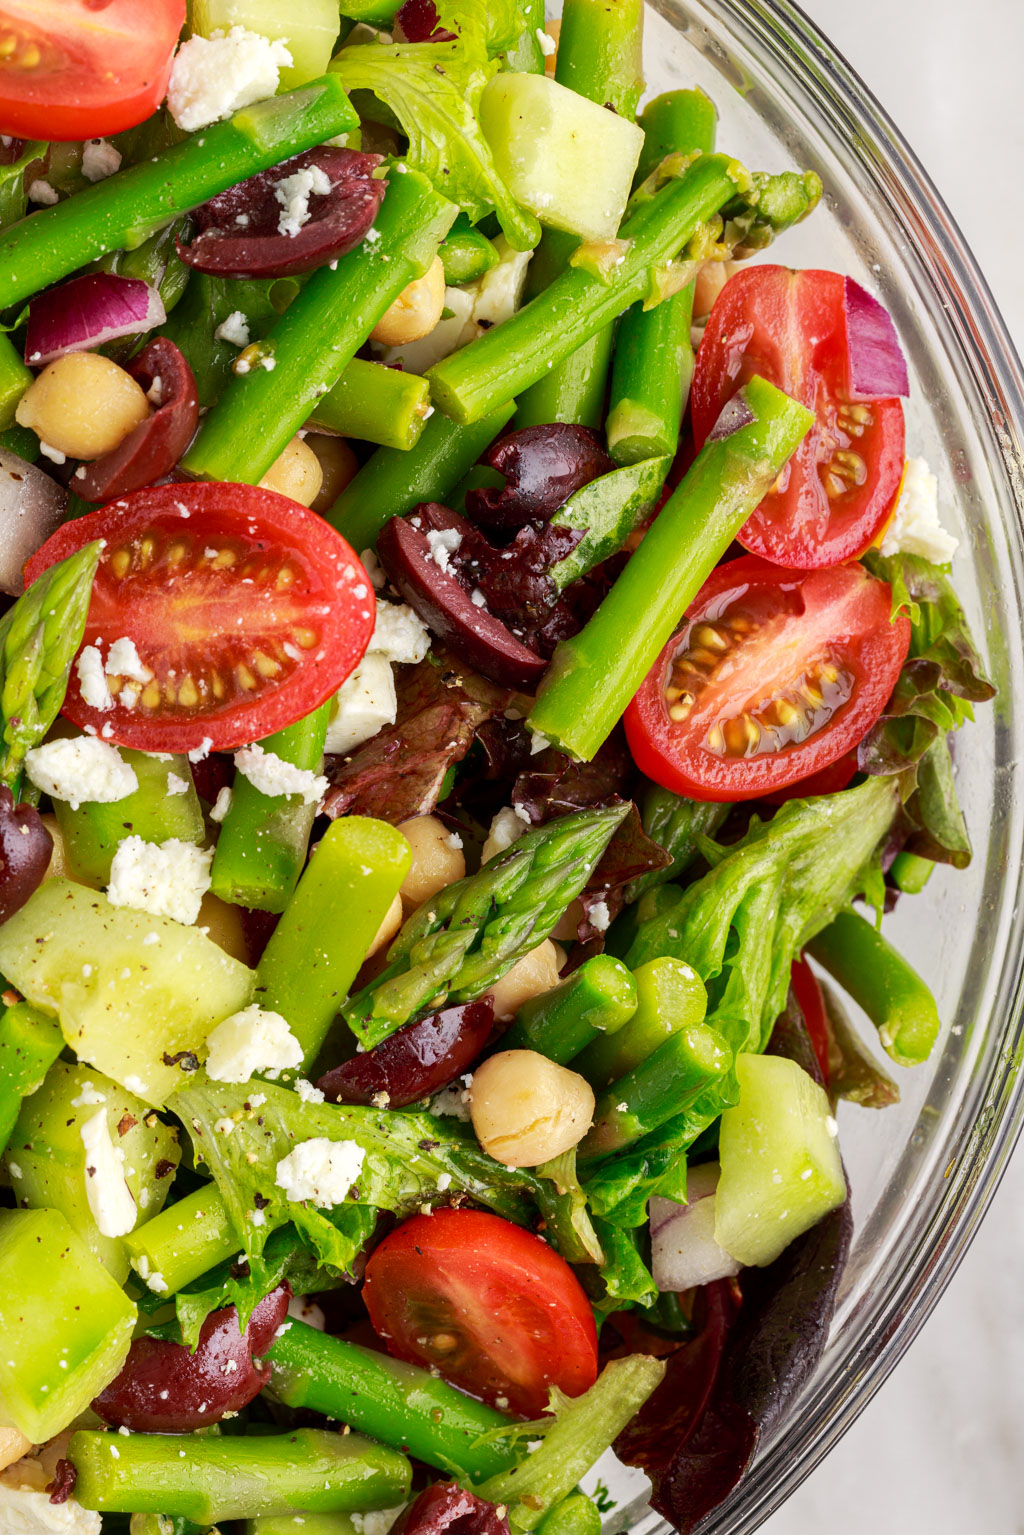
[812, 1004]
[247, 609]
[836, 492]
[491, 1306]
[830, 780]
[776, 674]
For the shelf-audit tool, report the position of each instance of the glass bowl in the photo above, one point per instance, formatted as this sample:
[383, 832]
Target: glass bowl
[922, 1173]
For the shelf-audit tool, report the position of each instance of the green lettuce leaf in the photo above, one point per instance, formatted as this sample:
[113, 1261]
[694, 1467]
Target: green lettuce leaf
[567, 1223]
[490, 25]
[434, 91]
[13, 192]
[625, 1279]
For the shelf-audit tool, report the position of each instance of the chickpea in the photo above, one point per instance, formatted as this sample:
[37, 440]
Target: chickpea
[710, 281]
[436, 860]
[59, 864]
[338, 465]
[295, 473]
[388, 928]
[225, 927]
[416, 310]
[568, 922]
[13, 1445]
[553, 29]
[531, 976]
[83, 405]
[526, 1109]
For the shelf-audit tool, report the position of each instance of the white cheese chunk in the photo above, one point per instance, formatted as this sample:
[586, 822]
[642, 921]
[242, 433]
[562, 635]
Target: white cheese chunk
[123, 660]
[176, 784]
[363, 705]
[82, 770]
[377, 1521]
[399, 633]
[293, 193]
[500, 290]
[600, 916]
[321, 1170]
[443, 543]
[915, 527]
[100, 159]
[214, 76]
[167, 879]
[234, 329]
[252, 1040]
[110, 1198]
[42, 192]
[222, 804]
[505, 827]
[92, 681]
[26, 1511]
[270, 774]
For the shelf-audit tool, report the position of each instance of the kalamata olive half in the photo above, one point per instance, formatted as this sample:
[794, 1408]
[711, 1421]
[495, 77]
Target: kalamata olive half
[163, 1388]
[448, 1509]
[417, 1060]
[418, 566]
[151, 449]
[25, 851]
[543, 466]
[416, 22]
[250, 231]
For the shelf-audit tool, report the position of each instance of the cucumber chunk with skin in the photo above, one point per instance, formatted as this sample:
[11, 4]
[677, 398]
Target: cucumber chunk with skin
[66, 1324]
[47, 1162]
[131, 990]
[94, 832]
[30, 1042]
[308, 28]
[568, 160]
[781, 1168]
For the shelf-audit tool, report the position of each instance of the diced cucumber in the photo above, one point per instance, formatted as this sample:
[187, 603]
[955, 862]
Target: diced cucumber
[66, 1325]
[30, 1042]
[131, 990]
[568, 160]
[309, 28]
[781, 1168]
[46, 1158]
[93, 832]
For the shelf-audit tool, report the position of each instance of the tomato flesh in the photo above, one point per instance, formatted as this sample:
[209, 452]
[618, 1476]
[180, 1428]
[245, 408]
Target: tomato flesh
[79, 69]
[776, 675]
[490, 1306]
[840, 486]
[247, 611]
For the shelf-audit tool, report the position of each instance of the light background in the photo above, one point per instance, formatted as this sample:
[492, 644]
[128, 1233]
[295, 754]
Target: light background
[940, 1450]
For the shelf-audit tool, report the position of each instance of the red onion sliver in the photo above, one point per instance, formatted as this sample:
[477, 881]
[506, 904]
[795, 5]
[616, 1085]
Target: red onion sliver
[878, 369]
[87, 312]
[736, 413]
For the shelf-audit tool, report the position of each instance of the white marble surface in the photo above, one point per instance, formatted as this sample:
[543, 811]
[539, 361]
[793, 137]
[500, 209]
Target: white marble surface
[940, 1450]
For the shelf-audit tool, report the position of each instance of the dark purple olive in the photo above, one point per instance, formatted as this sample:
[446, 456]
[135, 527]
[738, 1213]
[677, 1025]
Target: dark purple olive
[163, 1388]
[543, 466]
[448, 1509]
[26, 848]
[151, 449]
[474, 634]
[416, 22]
[239, 231]
[417, 1060]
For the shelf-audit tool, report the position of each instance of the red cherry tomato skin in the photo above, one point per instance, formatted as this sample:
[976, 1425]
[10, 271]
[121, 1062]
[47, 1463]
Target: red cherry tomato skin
[812, 1004]
[249, 610]
[838, 490]
[795, 621]
[495, 1309]
[85, 68]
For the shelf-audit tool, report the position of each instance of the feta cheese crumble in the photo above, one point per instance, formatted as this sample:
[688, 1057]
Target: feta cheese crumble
[505, 828]
[211, 77]
[270, 774]
[100, 159]
[364, 703]
[915, 527]
[26, 1510]
[547, 43]
[399, 633]
[321, 1170]
[167, 879]
[42, 192]
[110, 1198]
[252, 1040]
[307, 1092]
[83, 770]
[123, 660]
[176, 784]
[234, 329]
[443, 544]
[293, 193]
[600, 916]
[222, 804]
[92, 681]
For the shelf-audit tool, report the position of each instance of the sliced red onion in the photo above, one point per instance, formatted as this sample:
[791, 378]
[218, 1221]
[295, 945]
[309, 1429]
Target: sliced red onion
[684, 1252]
[152, 448]
[736, 413]
[87, 312]
[878, 368]
[31, 508]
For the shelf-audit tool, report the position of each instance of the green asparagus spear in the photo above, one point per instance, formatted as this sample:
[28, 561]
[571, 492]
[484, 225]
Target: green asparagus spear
[880, 981]
[606, 511]
[93, 832]
[303, 1524]
[14, 380]
[572, 389]
[575, 1515]
[233, 1477]
[375, 404]
[593, 676]
[39, 636]
[393, 1402]
[264, 838]
[579, 304]
[594, 1002]
[670, 996]
[910, 873]
[391, 483]
[329, 924]
[465, 253]
[124, 211]
[459, 943]
[30, 1042]
[166, 1524]
[304, 354]
[662, 1086]
[184, 1240]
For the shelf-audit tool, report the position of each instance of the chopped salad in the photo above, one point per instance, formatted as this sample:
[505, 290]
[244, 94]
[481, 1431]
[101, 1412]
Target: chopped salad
[479, 656]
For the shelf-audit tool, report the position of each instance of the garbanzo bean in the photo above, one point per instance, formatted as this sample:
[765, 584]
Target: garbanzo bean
[710, 281]
[415, 311]
[437, 859]
[296, 473]
[388, 928]
[13, 1445]
[526, 1109]
[531, 976]
[338, 465]
[83, 405]
[224, 924]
